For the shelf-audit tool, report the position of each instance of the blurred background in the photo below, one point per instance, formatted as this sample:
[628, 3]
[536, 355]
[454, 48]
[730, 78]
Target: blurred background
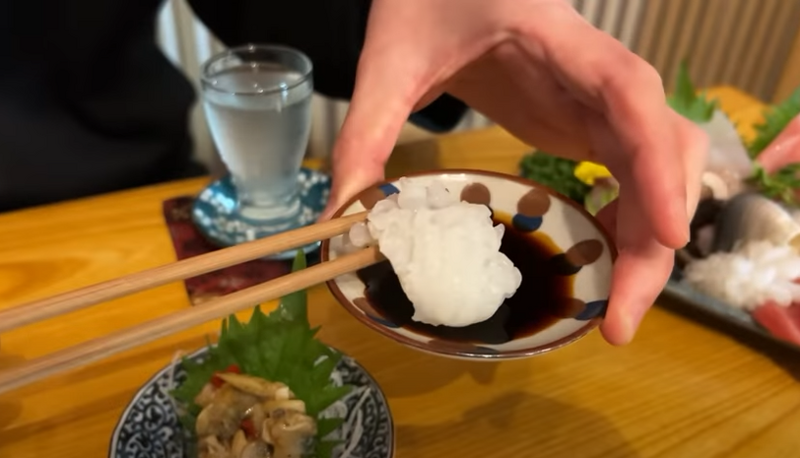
[753, 45]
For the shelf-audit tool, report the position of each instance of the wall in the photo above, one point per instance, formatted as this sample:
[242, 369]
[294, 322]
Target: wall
[751, 44]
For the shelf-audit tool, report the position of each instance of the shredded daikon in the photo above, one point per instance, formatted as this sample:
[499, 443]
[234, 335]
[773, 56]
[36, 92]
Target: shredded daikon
[171, 384]
[355, 437]
[352, 429]
[173, 366]
[753, 274]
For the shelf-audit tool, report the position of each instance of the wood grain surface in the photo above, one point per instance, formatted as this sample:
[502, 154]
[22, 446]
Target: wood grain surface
[683, 388]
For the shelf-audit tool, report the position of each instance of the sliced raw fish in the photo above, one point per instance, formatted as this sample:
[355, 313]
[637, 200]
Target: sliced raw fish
[726, 149]
[750, 217]
[784, 149]
[782, 322]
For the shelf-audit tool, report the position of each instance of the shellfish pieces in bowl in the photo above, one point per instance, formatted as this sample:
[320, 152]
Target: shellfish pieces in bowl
[267, 389]
[480, 265]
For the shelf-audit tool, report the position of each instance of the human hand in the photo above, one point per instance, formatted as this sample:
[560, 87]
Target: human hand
[538, 69]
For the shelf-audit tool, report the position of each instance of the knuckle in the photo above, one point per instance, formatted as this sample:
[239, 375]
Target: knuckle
[627, 67]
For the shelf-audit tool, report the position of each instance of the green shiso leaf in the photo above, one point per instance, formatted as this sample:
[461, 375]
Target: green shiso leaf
[776, 118]
[687, 102]
[280, 346]
[781, 185]
[556, 173]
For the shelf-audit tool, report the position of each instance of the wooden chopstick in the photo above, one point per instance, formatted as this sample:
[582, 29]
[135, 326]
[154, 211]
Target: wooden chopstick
[151, 278]
[102, 347]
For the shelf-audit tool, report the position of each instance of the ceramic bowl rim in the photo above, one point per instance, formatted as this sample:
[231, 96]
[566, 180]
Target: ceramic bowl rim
[453, 352]
[112, 443]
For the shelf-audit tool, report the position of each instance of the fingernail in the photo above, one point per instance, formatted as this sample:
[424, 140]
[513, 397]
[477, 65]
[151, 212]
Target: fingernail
[690, 209]
[681, 225]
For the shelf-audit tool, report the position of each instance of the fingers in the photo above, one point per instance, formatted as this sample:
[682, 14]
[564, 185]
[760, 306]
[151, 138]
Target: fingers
[656, 156]
[386, 89]
[641, 270]
[629, 95]
[522, 96]
[366, 139]
[693, 144]
[644, 264]
[639, 276]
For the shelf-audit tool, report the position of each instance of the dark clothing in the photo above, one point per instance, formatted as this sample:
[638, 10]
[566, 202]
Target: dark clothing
[89, 104]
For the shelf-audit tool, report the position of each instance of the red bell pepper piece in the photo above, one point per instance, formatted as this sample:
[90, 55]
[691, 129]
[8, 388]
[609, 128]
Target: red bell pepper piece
[218, 382]
[249, 428]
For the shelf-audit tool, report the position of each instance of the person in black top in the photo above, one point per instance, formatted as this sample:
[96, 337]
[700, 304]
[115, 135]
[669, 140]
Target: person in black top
[88, 103]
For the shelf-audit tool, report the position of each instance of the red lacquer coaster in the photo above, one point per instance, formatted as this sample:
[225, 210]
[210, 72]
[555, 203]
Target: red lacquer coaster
[188, 242]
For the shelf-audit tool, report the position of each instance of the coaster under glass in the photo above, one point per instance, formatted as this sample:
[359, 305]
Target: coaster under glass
[215, 213]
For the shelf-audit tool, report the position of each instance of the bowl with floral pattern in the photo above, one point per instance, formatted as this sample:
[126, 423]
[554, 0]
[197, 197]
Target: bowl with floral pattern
[150, 425]
[565, 284]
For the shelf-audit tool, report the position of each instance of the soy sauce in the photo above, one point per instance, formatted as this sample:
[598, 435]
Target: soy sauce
[543, 298]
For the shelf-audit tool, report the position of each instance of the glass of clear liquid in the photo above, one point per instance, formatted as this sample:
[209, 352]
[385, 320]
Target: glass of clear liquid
[257, 101]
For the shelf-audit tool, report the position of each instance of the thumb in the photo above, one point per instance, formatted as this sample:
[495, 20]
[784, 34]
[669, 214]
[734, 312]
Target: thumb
[385, 93]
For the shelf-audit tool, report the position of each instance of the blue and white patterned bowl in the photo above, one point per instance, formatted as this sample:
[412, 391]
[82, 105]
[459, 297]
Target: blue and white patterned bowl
[587, 250]
[149, 426]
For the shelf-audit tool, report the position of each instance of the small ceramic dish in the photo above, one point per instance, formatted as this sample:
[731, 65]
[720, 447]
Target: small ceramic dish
[578, 237]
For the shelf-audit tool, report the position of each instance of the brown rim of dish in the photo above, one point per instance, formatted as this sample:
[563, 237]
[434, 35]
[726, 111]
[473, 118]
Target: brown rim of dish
[431, 348]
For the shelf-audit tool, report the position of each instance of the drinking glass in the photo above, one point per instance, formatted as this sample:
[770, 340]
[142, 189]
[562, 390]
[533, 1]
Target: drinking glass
[257, 101]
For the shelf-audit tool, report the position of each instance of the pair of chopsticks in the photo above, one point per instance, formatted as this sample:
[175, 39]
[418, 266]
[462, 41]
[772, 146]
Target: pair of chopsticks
[119, 341]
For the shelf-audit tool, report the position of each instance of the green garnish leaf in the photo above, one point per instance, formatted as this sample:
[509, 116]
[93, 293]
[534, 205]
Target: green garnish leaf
[326, 426]
[556, 173]
[781, 185]
[325, 449]
[280, 346]
[776, 118]
[687, 102]
[295, 304]
[559, 173]
[599, 197]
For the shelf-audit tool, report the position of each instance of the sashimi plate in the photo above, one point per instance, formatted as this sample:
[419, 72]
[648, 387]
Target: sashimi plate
[718, 309]
[150, 428]
[742, 255]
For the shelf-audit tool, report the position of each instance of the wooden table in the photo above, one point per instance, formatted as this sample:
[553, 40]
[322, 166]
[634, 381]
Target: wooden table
[679, 390]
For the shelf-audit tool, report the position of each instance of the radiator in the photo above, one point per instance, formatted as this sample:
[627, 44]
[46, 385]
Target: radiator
[739, 42]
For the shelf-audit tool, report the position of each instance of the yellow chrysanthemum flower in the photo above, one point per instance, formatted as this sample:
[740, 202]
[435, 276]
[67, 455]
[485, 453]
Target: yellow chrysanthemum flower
[589, 172]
